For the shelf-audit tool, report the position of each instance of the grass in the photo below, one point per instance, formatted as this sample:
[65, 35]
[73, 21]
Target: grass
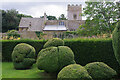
[8, 71]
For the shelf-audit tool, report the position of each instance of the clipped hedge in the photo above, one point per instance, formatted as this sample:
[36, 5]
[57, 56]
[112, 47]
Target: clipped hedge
[85, 50]
[55, 57]
[8, 46]
[23, 56]
[100, 71]
[116, 41]
[54, 42]
[74, 72]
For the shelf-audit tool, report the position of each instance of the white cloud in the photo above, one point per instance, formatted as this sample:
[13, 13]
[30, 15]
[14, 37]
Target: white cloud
[37, 9]
[42, 0]
[54, 10]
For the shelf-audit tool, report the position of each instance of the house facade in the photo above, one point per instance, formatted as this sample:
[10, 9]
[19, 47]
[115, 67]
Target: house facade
[51, 27]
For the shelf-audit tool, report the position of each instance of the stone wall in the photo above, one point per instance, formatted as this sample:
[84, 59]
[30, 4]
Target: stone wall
[74, 12]
[73, 25]
[52, 34]
[28, 35]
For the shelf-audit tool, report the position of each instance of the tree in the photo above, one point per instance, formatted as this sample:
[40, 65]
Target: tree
[62, 17]
[51, 17]
[11, 19]
[100, 16]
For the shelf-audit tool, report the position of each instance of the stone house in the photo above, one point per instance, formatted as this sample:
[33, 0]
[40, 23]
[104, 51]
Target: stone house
[51, 27]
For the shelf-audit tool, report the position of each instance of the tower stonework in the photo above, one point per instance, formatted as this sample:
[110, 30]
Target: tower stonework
[74, 12]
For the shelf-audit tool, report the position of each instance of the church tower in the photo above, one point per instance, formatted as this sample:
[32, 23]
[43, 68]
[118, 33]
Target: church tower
[74, 12]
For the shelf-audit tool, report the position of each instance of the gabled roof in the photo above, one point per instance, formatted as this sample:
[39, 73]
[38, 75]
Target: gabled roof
[34, 24]
[55, 28]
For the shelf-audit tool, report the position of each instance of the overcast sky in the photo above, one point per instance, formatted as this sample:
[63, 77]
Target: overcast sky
[36, 8]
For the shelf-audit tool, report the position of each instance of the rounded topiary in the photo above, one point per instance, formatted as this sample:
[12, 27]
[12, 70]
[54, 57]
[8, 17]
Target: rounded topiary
[65, 56]
[100, 71]
[53, 59]
[54, 42]
[23, 56]
[116, 41]
[73, 72]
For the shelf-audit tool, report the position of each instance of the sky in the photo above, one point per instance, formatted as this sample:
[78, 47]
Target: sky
[37, 8]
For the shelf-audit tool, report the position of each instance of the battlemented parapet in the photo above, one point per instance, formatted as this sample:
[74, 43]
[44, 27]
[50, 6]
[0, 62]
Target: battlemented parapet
[74, 12]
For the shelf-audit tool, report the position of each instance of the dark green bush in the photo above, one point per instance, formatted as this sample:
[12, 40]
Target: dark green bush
[48, 59]
[116, 42]
[8, 46]
[65, 56]
[85, 50]
[23, 56]
[73, 72]
[100, 71]
[54, 42]
[53, 59]
[93, 50]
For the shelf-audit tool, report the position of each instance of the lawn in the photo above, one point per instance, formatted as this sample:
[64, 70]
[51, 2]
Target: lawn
[8, 71]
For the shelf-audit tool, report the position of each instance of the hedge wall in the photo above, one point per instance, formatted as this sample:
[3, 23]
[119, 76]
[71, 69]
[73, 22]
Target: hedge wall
[8, 46]
[85, 50]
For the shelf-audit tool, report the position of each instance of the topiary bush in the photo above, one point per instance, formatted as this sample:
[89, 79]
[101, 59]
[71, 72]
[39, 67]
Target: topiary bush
[53, 59]
[100, 71]
[54, 42]
[23, 56]
[73, 72]
[116, 42]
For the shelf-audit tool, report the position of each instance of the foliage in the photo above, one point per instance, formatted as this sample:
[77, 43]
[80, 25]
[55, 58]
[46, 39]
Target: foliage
[65, 56]
[40, 34]
[100, 17]
[116, 42]
[73, 72]
[55, 57]
[54, 42]
[85, 50]
[23, 56]
[51, 17]
[48, 59]
[11, 19]
[13, 33]
[69, 33]
[100, 71]
[8, 46]
[62, 17]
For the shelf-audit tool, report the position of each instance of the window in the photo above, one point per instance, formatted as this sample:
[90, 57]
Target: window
[30, 24]
[61, 23]
[75, 16]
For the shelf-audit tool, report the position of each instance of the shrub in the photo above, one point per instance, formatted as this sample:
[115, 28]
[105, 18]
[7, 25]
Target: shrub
[8, 46]
[13, 33]
[54, 42]
[74, 72]
[116, 42]
[65, 56]
[53, 59]
[85, 50]
[23, 56]
[100, 71]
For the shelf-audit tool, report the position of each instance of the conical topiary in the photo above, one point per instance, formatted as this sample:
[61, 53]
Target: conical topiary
[116, 41]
